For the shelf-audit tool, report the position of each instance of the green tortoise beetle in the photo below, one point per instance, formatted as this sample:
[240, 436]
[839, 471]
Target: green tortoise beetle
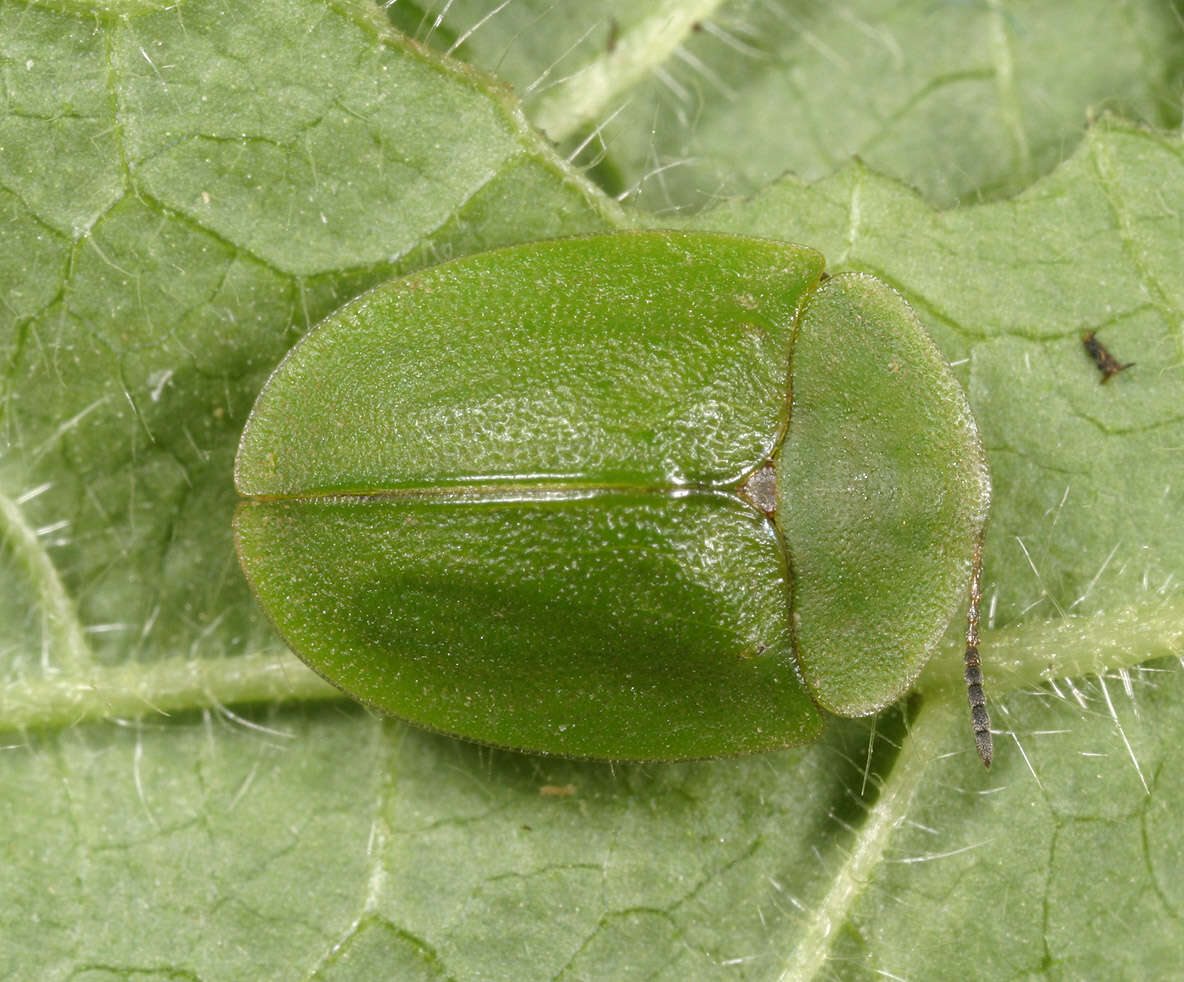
[638, 496]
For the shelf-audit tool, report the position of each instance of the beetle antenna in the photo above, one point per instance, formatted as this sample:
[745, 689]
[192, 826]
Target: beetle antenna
[979, 716]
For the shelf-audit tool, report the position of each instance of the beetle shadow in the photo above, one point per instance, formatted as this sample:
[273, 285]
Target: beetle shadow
[511, 776]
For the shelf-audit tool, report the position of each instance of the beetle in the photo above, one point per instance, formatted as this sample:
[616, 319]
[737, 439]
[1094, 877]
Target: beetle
[646, 495]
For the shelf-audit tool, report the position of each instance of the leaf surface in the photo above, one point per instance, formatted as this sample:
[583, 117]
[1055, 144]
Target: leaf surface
[186, 190]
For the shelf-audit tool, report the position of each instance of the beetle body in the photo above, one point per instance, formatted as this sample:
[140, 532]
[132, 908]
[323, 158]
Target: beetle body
[648, 495]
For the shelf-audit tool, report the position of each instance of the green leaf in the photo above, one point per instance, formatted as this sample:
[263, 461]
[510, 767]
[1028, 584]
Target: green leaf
[960, 100]
[260, 831]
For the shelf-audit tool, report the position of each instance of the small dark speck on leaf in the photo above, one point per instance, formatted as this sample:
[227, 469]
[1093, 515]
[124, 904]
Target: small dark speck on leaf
[1106, 362]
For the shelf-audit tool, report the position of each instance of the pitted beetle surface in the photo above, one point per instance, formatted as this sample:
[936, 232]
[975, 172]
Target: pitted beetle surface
[650, 495]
